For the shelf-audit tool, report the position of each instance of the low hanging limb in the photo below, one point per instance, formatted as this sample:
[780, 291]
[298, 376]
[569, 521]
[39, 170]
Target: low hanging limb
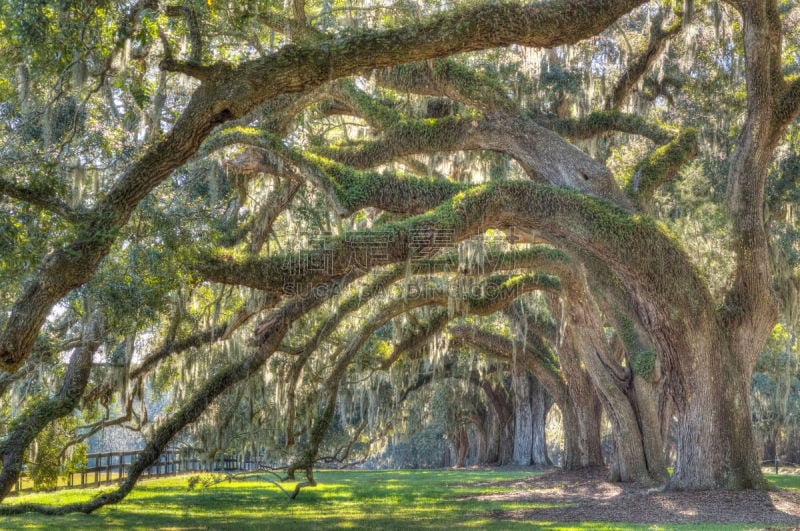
[230, 477]
[272, 333]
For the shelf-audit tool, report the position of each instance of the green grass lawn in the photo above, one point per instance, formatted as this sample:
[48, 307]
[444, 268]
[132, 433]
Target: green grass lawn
[344, 499]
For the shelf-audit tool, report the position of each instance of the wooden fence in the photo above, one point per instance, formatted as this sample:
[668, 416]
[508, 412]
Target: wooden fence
[112, 467]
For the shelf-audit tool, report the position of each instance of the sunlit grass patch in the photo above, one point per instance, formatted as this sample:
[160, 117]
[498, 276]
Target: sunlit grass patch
[432, 499]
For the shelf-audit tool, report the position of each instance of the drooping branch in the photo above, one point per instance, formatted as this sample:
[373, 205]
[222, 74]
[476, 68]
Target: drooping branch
[544, 155]
[90, 429]
[559, 215]
[256, 304]
[347, 190]
[39, 198]
[659, 37]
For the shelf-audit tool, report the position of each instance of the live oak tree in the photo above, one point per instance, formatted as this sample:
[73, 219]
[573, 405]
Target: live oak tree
[230, 136]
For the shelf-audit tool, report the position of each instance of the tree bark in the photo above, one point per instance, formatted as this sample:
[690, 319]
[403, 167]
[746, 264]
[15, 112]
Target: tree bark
[523, 416]
[540, 405]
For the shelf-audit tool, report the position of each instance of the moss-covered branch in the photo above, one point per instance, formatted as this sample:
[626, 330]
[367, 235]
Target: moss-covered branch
[636, 248]
[448, 78]
[347, 189]
[600, 122]
[544, 155]
[660, 166]
[376, 113]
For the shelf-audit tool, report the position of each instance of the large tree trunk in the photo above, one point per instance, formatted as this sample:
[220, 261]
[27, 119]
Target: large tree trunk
[479, 431]
[588, 411]
[716, 444]
[501, 438]
[540, 405]
[630, 420]
[571, 459]
[493, 431]
[647, 409]
[461, 442]
[715, 441]
[523, 416]
[583, 397]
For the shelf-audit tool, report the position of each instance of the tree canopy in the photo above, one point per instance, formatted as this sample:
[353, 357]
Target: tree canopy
[328, 230]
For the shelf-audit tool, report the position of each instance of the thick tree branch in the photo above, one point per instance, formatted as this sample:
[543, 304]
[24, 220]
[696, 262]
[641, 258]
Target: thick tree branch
[750, 307]
[787, 106]
[660, 167]
[346, 189]
[446, 77]
[544, 155]
[601, 122]
[189, 68]
[560, 215]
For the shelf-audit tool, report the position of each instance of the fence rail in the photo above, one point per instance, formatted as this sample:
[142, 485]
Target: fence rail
[112, 467]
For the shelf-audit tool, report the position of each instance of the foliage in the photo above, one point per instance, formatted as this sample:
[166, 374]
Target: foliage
[48, 461]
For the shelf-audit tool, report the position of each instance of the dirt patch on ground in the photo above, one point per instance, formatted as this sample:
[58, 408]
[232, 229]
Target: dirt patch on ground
[587, 496]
